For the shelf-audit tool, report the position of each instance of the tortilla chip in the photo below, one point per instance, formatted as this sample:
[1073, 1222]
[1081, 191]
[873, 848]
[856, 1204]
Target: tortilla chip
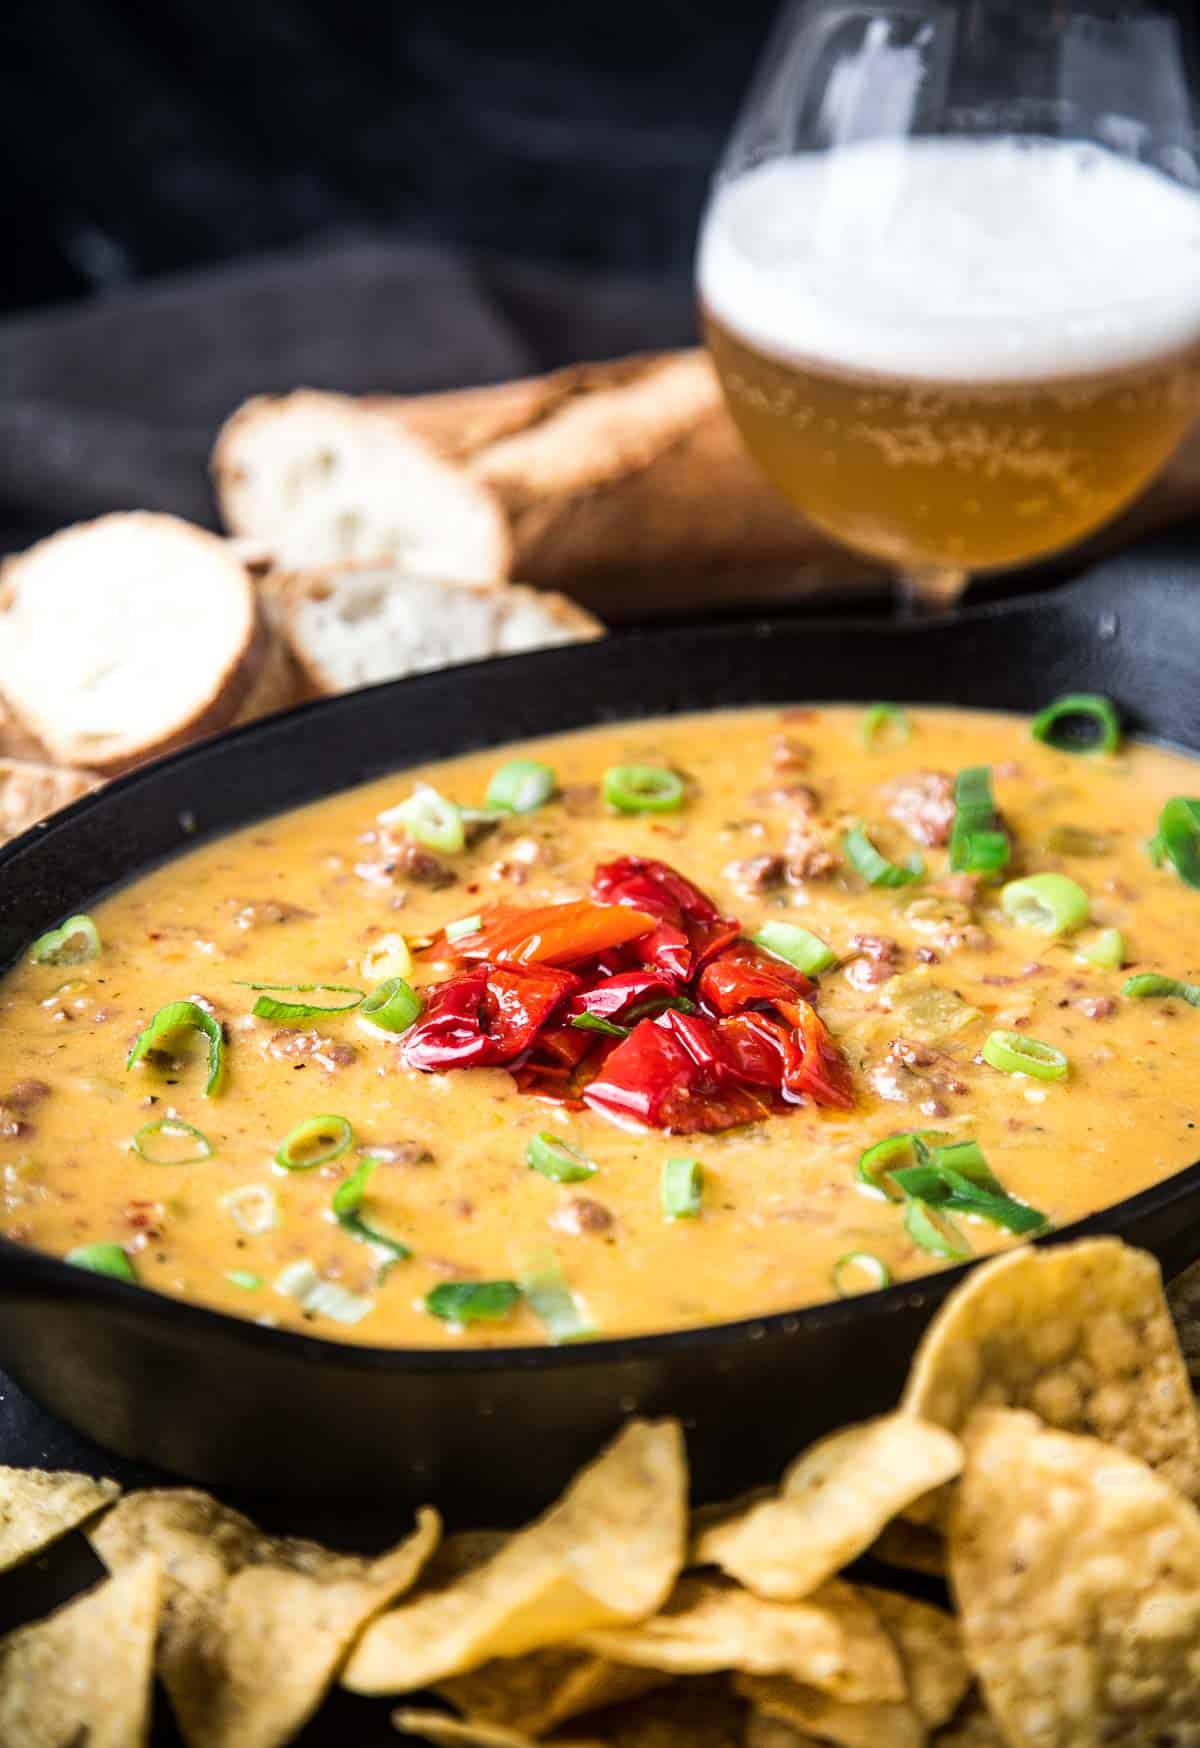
[37, 1506]
[765, 1732]
[931, 1652]
[1077, 1574]
[1080, 1334]
[911, 1547]
[536, 1693]
[887, 1724]
[971, 1728]
[705, 1713]
[832, 1640]
[1183, 1297]
[447, 1732]
[609, 1550]
[254, 1627]
[84, 1675]
[833, 1502]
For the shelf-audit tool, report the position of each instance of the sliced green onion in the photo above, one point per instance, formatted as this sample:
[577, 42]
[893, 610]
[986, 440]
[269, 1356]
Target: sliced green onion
[104, 1259]
[390, 956]
[168, 1023]
[1156, 849]
[877, 1166]
[955, 1194]
[472, 1301]
[393, 1006]
[875, 869]
[556, 1160]
[865, 1262]
[1077, 840]
[788, 941]
[297, 1280]
[1178, 837]
[314, 1142]
[1150, 983]
[1079, 722]
[597, 1023]
[682, 1189]
[931, 1231]
[171, 1141]
[430, 819]
[347, 1204]
[245, 1279]
[252, 1208]
[1014, 1053]
[966, 1159]
[267, 1008]
[521, 786]
[1105, 949]
[553, 1303]
[466, 925]
[643, 789]
[1051, 903]
[888, 721]
[73, 942]
[977, 844]
[300, 1281]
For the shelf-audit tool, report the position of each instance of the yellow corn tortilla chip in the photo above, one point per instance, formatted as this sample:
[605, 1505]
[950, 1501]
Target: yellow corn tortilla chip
[912, 1547]
[447, 1732]
[832, 1640]
[84, 1675]
[931, 1653]
[37, 1506]
[765, 1732]
[833, 1502]
[536, 1693]
[254, 1626]
[1080, 1334]
[609, 1550]
[885, 1724]
[972, 1727]
[1183, 1297]
[692, 1714]
[1077, 1574]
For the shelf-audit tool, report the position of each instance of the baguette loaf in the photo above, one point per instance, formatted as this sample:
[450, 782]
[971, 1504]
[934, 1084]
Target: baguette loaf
[126, 637]
[353, 625]
[28, 792]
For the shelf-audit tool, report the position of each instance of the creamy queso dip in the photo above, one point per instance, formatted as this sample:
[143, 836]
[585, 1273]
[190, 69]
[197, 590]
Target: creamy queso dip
[924, 973]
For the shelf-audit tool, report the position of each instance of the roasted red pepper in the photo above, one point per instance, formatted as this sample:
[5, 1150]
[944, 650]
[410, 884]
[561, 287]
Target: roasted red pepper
[677, 1073]
[485, 1017]
[553, 934]
[626, 993]
[743, 973]
[816, 1066]
[690, 926]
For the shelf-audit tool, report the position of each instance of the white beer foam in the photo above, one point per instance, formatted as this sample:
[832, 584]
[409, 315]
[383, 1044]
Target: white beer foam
[951, 260]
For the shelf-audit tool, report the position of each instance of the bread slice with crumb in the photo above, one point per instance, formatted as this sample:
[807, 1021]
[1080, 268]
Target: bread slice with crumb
[126, 637]
[29, 792]
[352, 625]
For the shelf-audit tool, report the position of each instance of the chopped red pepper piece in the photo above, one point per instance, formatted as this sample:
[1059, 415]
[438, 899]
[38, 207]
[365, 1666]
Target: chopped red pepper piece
[553, 934]
[816, 1065]
[616, 998]
[743, 973]
[675, 1073]
[485, 1017]
[691, 927]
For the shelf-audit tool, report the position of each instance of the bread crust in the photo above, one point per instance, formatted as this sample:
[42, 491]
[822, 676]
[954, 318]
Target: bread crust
[31, 791]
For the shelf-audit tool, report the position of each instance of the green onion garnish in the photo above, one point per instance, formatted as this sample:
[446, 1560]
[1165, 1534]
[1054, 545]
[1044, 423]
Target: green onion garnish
[1150, 983]
[597, 1023]
[553, 1303]
[466, 925]
[1178, 838]
[554, 1159]
[1051, 903]
[1079, 722]
[931, 1231]
[171, 1141]
[876, 1167]
[1014, 1053]
[104, 1259]
[245, 1279]
[168, 1023]
[430, 819]
[521, 786]
[267, 1008]
[316, 1141]
[347, 1205]
[862, 1262]
[1156, 849]
[393, 1006]
[73, 942]
[1105, 949]
[806, 951]
[252, 1208]
[886, 721]
[875, 869]
[955, 1194]
[643, 789]
[682, 1189]
[472, 1301]
[1077, 840]
[977, 844]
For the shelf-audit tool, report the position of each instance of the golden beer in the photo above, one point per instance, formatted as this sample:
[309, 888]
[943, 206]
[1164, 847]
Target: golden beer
[1035, 390]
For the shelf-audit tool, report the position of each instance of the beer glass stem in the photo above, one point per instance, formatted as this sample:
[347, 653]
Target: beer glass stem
[925, 591]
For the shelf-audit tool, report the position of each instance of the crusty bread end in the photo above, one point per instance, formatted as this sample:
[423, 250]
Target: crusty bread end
[29, 792]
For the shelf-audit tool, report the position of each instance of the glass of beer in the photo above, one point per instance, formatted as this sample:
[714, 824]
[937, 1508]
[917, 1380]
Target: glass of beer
[949, 273]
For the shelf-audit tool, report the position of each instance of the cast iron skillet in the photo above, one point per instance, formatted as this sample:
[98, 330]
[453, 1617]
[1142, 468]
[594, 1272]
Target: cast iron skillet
[496, 1433]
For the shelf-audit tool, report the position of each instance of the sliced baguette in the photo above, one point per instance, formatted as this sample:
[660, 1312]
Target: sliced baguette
[125, 637]
[352, 625]
[28, 792]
